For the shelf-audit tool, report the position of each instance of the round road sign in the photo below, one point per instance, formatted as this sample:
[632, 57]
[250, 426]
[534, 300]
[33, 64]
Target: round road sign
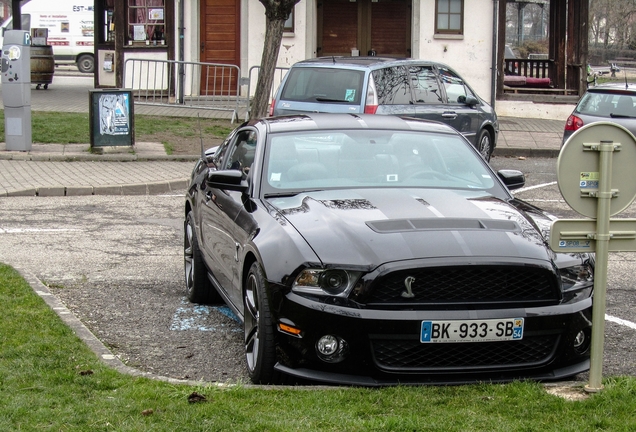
[578, 168]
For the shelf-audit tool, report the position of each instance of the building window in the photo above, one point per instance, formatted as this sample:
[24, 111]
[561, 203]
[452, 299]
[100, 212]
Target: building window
[146, 21]
[289, 24]
[449, 17]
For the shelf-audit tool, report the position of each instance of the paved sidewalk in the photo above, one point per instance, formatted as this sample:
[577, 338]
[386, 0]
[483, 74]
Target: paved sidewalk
[72, 169]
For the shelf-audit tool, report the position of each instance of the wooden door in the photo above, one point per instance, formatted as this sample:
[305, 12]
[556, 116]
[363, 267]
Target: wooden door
[220, 43]
[339, 33]
[390, 29]
[382, 26]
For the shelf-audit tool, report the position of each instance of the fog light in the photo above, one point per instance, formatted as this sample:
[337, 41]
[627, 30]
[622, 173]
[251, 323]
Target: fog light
[581, 342]
[579, 339]
[331, 349]
[327, 345]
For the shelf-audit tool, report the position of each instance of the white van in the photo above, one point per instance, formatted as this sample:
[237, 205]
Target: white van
[70, 29]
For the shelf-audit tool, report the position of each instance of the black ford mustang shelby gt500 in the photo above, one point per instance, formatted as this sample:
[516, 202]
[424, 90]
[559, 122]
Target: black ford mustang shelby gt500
[372, 250]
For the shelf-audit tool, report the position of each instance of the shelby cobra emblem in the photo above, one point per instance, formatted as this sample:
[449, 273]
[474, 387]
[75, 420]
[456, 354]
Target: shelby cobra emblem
[409, 291]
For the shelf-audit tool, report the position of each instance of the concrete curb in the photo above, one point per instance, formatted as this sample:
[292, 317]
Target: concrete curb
[154, 188]
[126, 157]
[525, 152]
[51, 157]
[103, 353]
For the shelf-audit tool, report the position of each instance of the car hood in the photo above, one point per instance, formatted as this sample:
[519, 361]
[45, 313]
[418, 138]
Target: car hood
[370, 227]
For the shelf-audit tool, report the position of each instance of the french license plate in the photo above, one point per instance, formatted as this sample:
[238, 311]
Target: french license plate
[472, 330]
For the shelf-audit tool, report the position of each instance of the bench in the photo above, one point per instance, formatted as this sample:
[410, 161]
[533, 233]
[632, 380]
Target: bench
[535, 90]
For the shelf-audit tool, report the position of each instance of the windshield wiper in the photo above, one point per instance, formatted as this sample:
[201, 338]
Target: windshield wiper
[320, 99]
[612, 115]
[289, 194]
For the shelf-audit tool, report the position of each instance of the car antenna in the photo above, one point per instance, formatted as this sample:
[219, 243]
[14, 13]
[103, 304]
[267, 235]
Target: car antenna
[626, 85]
[333, 58]
[201, 137]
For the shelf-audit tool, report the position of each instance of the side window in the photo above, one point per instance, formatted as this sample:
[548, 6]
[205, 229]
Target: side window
[222, 150]
[456, 90]
[425, 85]
[392, 85]
[241, 155]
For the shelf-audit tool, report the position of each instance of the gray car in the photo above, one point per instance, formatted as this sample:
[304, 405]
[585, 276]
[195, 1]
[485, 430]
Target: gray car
[377, 85]
[613, 102]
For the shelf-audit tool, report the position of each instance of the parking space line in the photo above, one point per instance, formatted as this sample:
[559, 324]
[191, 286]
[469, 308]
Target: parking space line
[534, 187]
[35, 230]
[620, 321]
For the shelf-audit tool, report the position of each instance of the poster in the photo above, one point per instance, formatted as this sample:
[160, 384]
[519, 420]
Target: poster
[140, 33]
[155, 14]
[114, 114]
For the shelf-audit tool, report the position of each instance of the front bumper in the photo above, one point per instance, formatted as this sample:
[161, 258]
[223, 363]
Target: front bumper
[384, 346]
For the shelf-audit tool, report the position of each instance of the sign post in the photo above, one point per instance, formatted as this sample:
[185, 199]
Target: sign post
[587, 169]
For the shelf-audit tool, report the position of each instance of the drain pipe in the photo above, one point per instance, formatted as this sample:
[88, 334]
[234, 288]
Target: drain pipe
[181, 72]
[495, 39]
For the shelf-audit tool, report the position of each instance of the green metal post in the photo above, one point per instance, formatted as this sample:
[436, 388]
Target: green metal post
[606, 149]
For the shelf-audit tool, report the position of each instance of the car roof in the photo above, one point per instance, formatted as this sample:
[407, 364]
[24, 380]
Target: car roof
[326, 121]
[362, 62]
[613, 87]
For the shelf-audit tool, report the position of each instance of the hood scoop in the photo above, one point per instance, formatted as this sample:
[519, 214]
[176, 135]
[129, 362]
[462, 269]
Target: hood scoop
[442, 224]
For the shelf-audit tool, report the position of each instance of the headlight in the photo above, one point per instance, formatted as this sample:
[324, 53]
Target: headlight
[325, 282]
[576, 277]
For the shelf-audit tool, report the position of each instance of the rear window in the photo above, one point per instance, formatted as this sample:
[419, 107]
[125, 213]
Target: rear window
[607, 104]
[324, 85]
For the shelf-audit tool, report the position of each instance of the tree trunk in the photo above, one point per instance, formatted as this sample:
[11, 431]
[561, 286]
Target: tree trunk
[273, 37]
[276, 13]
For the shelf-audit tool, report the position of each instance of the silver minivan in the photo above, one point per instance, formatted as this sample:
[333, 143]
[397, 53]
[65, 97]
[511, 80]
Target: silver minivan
[377, 85]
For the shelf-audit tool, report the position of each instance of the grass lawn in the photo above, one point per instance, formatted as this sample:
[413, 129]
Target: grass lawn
[179, 135]
[49, 380]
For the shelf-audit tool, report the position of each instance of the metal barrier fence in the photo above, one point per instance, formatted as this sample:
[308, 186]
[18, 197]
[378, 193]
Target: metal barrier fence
[279, 74]
[176, 83]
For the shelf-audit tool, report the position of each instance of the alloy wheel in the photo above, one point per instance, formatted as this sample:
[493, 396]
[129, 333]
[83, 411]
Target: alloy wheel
[252, 337]
[188, 257]
[485, 146]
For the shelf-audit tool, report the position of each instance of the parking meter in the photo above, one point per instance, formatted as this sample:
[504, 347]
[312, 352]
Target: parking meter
[16, 89]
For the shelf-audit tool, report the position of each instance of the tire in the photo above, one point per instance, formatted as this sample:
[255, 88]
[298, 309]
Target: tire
[86, 63]
[484, 145]
[260, 344]
[199, 289]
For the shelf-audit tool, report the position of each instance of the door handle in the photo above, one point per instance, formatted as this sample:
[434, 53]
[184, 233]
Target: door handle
[202, 46]
[449, 115]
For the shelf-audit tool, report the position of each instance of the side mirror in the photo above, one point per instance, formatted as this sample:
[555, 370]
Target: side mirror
[471, 100]
[513, 179]
[227, 179]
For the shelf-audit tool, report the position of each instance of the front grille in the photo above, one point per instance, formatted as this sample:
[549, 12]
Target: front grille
[465, 285]
[411, 355]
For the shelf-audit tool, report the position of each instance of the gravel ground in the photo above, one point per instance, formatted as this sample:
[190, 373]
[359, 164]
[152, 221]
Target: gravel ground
[139, 323]
[117, 264]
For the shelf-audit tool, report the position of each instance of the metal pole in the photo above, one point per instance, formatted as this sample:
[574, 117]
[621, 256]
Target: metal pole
[181, 71]
[17, 14]
[604, 197]
[495, 41]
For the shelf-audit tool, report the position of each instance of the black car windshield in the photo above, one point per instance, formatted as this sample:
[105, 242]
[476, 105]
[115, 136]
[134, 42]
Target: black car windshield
[346, 159]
